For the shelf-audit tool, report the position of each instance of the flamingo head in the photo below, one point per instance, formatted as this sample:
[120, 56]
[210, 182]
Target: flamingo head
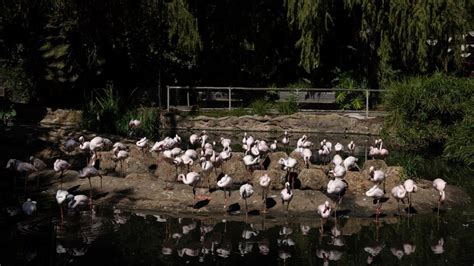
[371, 170]
[181, 177]
[81, 139]
[326, 206]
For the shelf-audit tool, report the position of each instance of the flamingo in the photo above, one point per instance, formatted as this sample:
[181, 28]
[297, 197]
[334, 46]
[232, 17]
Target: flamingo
[273, 146]
[411, 188]
[96, 144]
[120, 156]
[351, 147]
[373, 252]
[338, 148]
[438, 247]
[307, 154]
[22, 168]
[134, 123]
[194, 138]
[60, 198]
[337, 159]
[327, 144]
[377, 176]
[77, 201]
[70, 145]
[337, 186]
[119, 146]
[439, 184]
[288, 165]
[265, 181]
[142, 144]
[191, 178]
[188, 161]
[339, 171]
[286, 140]
[377, 194]
[29, 207]
[206, 168]
[61, 166]
[225, 182]
[246, 191]
[399, 193]
[249, 161]
[286, 196]
[351, 162]
[324, 153]
[324, 211]
[88, 172]
[373, 152]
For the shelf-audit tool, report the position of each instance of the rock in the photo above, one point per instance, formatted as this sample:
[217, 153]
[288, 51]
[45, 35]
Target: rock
[274, 157]
[312, 179]
[358, 182]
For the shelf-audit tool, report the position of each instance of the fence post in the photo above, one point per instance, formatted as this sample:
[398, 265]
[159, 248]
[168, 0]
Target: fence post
[366, 103]
[230, 98]
[187, 96]
[167, 97]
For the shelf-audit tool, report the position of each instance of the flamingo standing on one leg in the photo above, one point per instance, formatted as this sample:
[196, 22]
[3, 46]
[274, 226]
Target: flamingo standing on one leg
[286, 141]
[120, 156]
[286, 196]
[351, 147]
[439, 184]
[88, 172]
[399, 193]
[225, 182]
[61, 196]
[39, 165]
[265, 181]
[191, 178]
[411, 188]
[246, 191]
[21, 167]
[377, 194]
[61, 166]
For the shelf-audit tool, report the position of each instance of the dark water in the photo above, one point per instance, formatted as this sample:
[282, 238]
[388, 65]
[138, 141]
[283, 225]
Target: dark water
[114, 237]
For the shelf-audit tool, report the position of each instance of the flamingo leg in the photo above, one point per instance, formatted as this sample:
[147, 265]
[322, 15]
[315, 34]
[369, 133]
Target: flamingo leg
[439, 205]
[90, 191]
[62, 215]
[100, 181]
[225, 198]
[246, 208]
[61, 178]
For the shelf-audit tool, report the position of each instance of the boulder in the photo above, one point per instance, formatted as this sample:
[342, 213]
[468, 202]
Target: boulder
[357, 182]
[312, 179]
[377, 164]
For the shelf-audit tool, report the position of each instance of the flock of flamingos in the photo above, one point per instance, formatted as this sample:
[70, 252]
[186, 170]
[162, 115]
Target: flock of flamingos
[208, 157]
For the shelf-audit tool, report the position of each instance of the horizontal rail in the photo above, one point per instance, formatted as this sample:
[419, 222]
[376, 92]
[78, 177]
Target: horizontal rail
[271, 89]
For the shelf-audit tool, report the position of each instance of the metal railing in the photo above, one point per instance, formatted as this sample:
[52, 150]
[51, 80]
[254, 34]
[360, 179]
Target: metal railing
[327, 93]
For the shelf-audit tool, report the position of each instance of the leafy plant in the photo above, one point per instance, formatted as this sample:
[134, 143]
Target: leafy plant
[261, 107]
[288, 107]
[350, 100]
[102, 110]
[7, 114]
[412, 163]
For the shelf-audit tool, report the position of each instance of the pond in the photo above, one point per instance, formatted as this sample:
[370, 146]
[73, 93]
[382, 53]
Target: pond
[111, 236]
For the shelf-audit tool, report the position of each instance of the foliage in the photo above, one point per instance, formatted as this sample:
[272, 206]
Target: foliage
[287, 107]
[102, 110]
[7, 114]
[314, 19]
[412, 163]
[150, 123]
[423, 110]
[261, 107]
[460, 144]
[19, 86]
[350, 100]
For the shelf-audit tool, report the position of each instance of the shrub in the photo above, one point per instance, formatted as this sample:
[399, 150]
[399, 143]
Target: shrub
[102, 110]
[261, 107]
[6, 114]
[288, 107]
[425, 111]
[350, 100]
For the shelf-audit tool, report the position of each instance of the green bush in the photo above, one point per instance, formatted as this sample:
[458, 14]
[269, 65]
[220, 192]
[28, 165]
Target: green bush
[261, 107]
[423, 111]
[288, 107]
[350, 100]
[150, 123]
[7, 113]
[102, 110]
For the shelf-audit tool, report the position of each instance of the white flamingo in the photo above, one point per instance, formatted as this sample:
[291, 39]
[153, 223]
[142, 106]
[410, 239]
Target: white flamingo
[411, 187]
[88, 172]
[377, 194]
[338, 172]
[273, 146]
[285, 140]
[60, 198]
[191, 179]
[120, 156]
[289, 165]
[439, 184]
[264, 182]
[373, 152]
[338, 148]
[351, 147]
[351, 162]
[61, 166]
[324, 211]
[307, 154]
[286, 196]
[377, 176]
[337, 186]
[337, 159]
[142, 144]
[225, 183]
[22, 168]
[438, 247]
[77, 201]
[399, 193]
[246, 191]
